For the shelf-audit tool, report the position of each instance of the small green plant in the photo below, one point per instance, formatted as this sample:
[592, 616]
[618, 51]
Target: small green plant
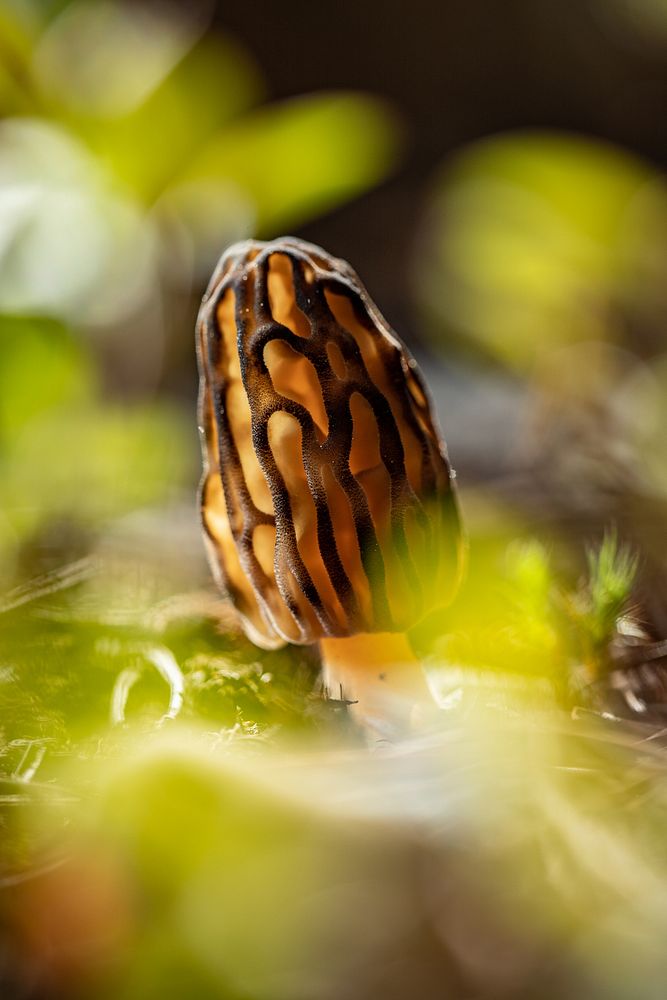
[612, 572]
[594, 610]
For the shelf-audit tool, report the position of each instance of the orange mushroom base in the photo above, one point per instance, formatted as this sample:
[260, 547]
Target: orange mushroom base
[380, 679]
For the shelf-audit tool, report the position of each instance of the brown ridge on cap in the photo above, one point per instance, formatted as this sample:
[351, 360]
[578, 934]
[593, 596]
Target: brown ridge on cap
[327, 499]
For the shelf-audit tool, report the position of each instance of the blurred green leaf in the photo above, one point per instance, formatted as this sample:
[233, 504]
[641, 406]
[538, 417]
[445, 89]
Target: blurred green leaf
[148, 147]
[612, 570]
[41, 367]
[536, 241]
[530, 579]
[18, 31]
[70, 244]
[92, 463]
[585, 184]
[132, 105]
[303, 156]
[105, 59]
[204, 216]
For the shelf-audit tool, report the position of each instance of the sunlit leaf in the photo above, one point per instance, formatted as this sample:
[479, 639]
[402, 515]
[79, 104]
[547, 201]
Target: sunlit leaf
[70, 244]
[202, 217]
[146, 148]
[105, 59]
[18, 30]
[303, 156]
[536, 240]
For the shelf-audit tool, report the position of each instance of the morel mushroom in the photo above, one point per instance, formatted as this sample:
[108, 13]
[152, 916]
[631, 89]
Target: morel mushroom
[327, 499]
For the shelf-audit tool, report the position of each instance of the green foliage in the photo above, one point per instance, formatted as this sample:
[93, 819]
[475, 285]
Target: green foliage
[217, 828]
[42, 368]
[137, 160]
[529, 623]
[110, 459]
[530, 590]
[67, 456]
[131, 152]
[147, 148]
[504, 620]
[104, 156]
[612, 571]
[593, 611]
[539, 240]
[128, 143]
[132, 147]
[63, 653]
[294, 158]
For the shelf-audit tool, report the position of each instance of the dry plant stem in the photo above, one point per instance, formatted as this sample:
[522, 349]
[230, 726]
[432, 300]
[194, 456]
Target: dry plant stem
[380, 678]
[635, 656]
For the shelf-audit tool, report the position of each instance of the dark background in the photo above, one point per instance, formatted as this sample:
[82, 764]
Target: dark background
[457, 72]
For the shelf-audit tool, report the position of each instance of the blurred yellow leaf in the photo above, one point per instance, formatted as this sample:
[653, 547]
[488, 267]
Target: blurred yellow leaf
[535, 240]
[92, 463]
[106, 58]
[304, 155]
[18, 31]
[147, 147]
[41, 367]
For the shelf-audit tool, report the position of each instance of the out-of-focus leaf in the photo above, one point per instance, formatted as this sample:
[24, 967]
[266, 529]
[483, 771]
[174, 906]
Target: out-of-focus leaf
[146, 148]
[201, 217]
[90, 464]
[303, 156]
[105, 59]
[70, 245]
[41, 367]
[536, 241]
[18, 30]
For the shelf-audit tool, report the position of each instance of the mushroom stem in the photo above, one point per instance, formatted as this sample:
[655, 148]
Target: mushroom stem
[380, 678]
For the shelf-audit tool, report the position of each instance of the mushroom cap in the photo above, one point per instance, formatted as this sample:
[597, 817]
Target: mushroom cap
[327, 499]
